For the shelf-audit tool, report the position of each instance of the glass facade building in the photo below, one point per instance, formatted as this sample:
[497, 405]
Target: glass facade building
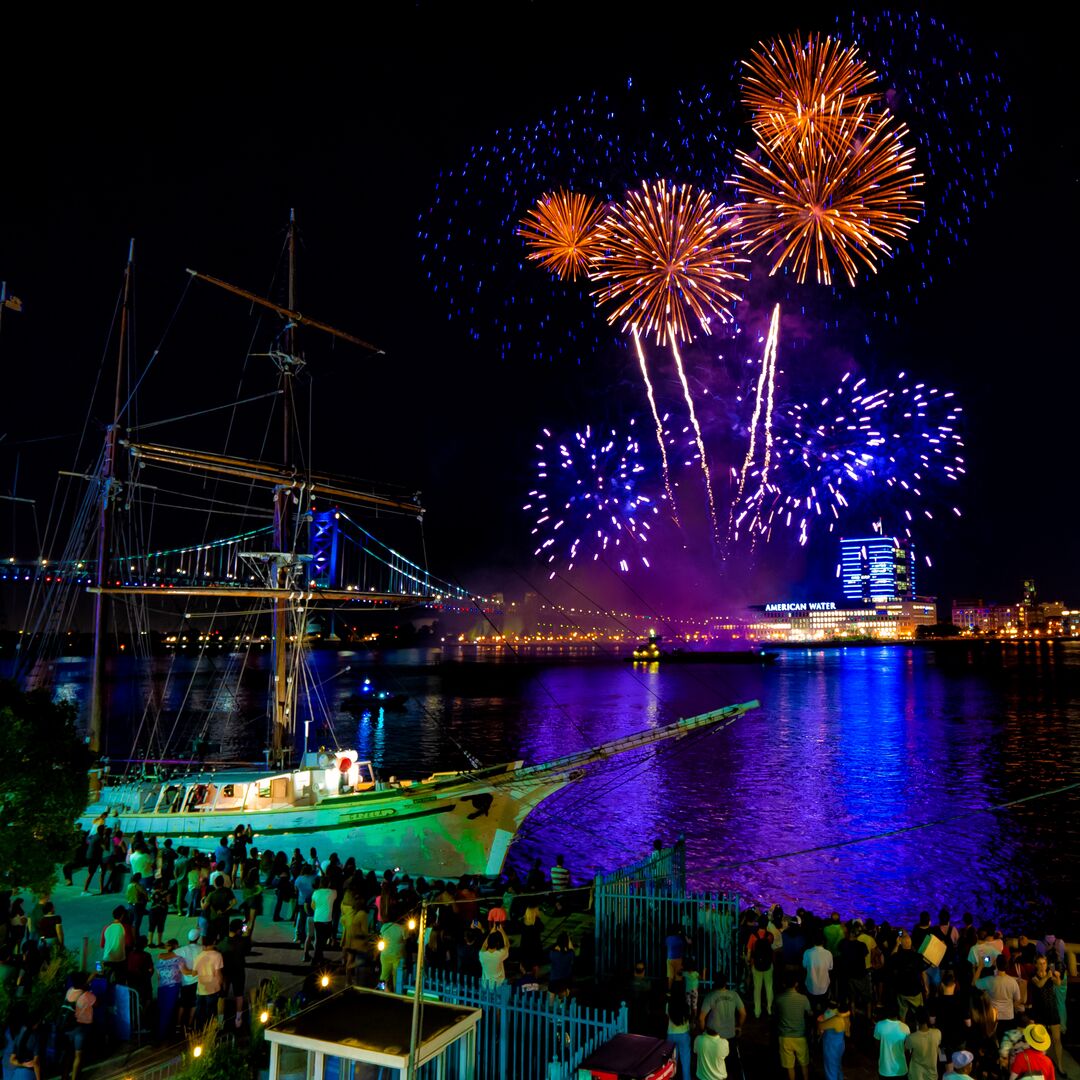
[875, 568]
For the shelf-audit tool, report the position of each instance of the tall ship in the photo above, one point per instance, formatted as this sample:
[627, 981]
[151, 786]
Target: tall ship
[309, 546]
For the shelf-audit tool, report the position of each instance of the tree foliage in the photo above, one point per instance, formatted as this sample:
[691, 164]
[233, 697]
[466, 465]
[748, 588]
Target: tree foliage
[43, 786]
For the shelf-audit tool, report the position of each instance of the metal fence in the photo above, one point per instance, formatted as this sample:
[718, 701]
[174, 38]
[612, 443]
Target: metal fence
[638, 906]
[525, 1034]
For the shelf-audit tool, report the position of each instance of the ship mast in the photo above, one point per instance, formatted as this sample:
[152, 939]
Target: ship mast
[282, 546]
[108, 490]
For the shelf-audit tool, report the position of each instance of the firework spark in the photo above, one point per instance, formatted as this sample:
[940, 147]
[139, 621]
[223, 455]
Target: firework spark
[667, 257]
[850, 446]
[589, 501]
[799, 206]
[814, 92]
[562, 231]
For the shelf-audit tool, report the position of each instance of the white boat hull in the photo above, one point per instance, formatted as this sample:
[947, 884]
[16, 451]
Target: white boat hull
[467, 830]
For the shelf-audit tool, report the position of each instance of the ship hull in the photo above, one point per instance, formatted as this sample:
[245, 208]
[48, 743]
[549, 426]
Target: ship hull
[463, 831]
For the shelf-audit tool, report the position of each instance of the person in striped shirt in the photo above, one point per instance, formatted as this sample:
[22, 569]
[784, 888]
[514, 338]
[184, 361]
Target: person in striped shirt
[560, 876]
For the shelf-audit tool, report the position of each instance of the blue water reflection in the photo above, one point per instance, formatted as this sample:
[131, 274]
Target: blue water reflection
[848, 742]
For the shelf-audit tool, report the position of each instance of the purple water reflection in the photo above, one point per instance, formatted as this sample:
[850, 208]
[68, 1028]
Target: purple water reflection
[847, 743]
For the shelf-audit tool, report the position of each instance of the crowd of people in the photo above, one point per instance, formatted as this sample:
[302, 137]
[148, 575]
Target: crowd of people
[347, 922]
[941, 997]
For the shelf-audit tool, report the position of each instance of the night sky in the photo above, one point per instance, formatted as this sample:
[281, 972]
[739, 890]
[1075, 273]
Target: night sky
[198, 143]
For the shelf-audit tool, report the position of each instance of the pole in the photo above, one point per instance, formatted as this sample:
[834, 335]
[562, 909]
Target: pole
[281, 527]
[101, 599]
[418, 998]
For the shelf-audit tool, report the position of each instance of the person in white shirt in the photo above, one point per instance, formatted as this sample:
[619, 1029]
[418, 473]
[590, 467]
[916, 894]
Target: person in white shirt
[711, 1051]
[818, 962]
[322, 915]
[492, 958]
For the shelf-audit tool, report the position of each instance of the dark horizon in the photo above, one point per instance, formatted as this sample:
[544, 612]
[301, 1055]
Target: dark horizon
[202, 169]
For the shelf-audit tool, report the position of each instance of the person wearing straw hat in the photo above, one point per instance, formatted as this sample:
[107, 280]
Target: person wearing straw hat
[1031, 1059]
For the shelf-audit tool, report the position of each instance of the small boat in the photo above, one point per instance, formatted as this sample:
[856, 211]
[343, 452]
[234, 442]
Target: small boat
[650, 653]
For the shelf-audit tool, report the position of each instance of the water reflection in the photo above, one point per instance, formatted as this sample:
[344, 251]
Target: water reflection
[849, 742]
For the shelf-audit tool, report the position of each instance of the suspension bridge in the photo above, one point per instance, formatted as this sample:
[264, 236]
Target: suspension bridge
[346, 563]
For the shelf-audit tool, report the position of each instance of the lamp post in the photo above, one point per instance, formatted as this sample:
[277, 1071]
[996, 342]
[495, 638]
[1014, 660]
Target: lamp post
[414, 1035]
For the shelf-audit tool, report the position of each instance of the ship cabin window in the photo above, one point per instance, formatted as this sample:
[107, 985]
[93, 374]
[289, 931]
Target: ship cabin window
[148, 799]
[171, 799]
[301, 788]
[231, 797]
[200, 797]
[268, 793]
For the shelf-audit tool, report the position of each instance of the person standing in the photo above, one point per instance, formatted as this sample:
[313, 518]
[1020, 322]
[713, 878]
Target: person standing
[322, 915]
[759, 955]
[723, 1011]
[891, 1034]
[923, 1045]
[305, 885]
[560, 876]
[95, 860]
[678, 1027]
[392, 937]
[234, 950]
[1004, 993]
[114, 947]
[834, 1026]
[817, 963]
[170, 968]
[209, 967]
[79, 1028]
[190, 982]
[1043, 1006]
[561, 972]
[711, 1051]
[492, 960]
[792, 1009]
[1031, 1059]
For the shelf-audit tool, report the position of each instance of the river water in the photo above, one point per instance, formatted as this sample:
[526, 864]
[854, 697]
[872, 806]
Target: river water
[848, 743]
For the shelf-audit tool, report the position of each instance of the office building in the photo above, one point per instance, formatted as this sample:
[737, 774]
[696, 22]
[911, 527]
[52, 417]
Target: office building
[874, 568]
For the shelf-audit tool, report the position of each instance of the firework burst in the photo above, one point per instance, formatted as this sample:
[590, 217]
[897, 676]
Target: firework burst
[561, 230]
[590, 500]
[667, 260]
[801, 205]
[902, 442]
[812, 93]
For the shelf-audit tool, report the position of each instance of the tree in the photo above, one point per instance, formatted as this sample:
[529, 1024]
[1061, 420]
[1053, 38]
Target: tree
[43, 786]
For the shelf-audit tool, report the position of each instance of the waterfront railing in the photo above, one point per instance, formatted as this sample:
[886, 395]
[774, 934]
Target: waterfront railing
[525, 1033]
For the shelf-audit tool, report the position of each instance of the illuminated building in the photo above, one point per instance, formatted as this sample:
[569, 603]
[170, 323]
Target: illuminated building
[827, 620]
[979, 617]
[877, 568]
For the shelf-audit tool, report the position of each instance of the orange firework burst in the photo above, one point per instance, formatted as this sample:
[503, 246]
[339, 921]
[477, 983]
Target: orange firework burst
[666, 254]
[562, 231]
[799, 205]
[815, 92]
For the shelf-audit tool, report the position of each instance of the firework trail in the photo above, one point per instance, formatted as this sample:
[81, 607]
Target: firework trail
[667, 259]
[765, 388]
[659, 427]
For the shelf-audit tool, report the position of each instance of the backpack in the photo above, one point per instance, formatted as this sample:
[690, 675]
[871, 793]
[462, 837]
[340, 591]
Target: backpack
[762, 954]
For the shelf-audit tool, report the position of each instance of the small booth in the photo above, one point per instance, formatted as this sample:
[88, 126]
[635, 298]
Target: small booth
[359, 1034]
